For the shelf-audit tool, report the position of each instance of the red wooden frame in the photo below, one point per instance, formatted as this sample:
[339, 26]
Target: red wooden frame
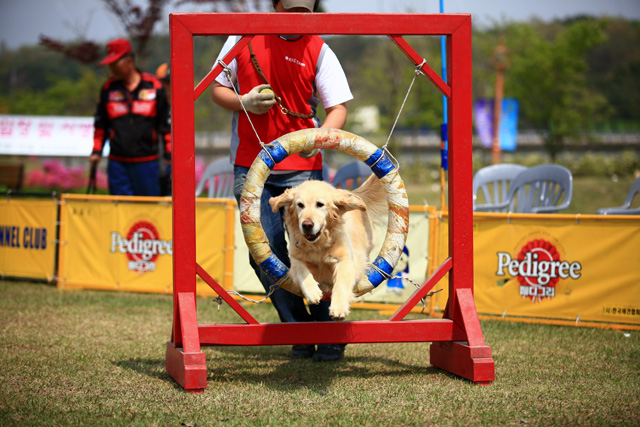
[457, 342]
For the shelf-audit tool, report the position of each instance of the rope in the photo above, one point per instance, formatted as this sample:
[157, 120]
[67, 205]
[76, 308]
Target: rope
[227, 74]
[418, 71]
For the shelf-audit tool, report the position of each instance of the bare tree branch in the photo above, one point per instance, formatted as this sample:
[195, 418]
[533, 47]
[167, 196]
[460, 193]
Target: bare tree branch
[86, 52]
[231, 5]
[139, 23]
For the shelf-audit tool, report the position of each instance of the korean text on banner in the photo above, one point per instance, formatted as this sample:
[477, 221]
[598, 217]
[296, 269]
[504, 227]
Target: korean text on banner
[28, 238]
[46, 135]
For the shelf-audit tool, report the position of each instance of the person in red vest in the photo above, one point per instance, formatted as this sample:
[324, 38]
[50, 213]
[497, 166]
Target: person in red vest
[132, 114]
[301, 71]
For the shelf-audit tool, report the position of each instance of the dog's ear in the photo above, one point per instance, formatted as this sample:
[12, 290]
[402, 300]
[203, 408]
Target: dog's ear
[346, 201]
[281, 200]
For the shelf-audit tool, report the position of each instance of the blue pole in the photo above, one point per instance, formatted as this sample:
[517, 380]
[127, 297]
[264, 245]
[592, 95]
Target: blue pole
[443, 52]
[444, 161]
[443, 127]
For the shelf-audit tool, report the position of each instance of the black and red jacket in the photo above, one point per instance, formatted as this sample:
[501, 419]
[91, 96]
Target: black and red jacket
[132, 121]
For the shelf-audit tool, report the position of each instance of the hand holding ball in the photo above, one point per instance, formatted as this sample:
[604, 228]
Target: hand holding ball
[259, 99]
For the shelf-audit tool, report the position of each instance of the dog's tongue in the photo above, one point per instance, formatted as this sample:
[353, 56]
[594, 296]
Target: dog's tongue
[311, 237]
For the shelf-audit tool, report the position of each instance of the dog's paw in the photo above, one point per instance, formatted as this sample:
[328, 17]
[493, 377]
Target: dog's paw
[339, 311]
[312, 293]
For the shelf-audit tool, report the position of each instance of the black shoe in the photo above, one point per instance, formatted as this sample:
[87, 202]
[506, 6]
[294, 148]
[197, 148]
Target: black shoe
[329, 353]
[302, 351]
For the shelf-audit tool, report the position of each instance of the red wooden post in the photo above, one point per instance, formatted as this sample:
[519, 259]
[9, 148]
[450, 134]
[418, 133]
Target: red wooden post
[186, 365]
[460, 162]
[458, 345]
[453, 356]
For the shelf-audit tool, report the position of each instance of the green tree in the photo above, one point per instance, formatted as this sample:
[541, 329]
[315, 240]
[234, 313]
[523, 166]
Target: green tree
[614, 70]
[380, 75]
[548, 76]
[65, 96]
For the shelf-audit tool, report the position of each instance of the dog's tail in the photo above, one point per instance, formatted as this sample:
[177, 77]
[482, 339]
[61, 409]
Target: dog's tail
[374, 196]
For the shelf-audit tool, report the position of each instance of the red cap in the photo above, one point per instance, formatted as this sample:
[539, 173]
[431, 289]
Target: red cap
[116, 49]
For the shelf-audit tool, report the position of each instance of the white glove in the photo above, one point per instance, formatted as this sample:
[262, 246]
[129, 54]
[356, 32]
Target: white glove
[309, 153]
[256, 102]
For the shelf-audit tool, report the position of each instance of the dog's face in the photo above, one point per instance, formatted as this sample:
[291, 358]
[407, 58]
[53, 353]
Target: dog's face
[314, 207]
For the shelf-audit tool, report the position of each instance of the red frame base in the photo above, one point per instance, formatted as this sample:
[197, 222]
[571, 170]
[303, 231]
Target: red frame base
[458, 345]
[187, 369]
[472, 363]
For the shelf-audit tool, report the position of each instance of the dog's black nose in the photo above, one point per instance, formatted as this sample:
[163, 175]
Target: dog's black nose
[307, 226]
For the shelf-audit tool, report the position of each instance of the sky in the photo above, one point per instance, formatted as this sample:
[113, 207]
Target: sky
[22, 21]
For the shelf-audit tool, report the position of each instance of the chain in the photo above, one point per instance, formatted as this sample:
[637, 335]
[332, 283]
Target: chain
[388, 276]
[272, 289]
[283, 109]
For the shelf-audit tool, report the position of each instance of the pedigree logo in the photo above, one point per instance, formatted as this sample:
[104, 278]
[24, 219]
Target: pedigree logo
[142, 245]
[538, 268]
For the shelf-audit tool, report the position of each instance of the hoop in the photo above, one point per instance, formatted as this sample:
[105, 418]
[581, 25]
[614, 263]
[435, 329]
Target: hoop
[363, 150]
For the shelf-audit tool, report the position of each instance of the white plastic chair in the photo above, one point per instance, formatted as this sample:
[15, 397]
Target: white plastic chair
[351, 175]
[541, 189]
[219, 177]
[491, 186]
[625, 209]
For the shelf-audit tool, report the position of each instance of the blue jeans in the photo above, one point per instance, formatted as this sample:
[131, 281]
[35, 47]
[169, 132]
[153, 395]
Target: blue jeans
[133, 178]
[290, 307]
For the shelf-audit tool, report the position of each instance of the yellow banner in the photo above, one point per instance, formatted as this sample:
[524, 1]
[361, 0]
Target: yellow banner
[129, 245]
[28, 238]
[582, 268]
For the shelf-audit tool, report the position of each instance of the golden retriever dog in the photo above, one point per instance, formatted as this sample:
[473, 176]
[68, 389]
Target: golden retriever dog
[330, 238]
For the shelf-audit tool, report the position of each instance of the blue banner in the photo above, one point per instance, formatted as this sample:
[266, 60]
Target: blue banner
[509, 124]
[483, 118]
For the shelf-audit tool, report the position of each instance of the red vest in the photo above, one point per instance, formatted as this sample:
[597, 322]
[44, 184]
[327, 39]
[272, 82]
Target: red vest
[290, 69]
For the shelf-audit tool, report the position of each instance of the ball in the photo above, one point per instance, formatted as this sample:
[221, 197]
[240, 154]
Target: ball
[267, 90]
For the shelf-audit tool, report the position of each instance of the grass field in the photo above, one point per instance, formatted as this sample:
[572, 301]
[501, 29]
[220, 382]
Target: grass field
[97, 358]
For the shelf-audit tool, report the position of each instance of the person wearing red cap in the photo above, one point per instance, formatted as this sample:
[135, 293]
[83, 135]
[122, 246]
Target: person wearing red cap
[132, 113]
[301, 71]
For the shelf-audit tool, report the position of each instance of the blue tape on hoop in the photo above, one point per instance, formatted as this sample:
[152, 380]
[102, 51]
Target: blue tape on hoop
[383, 165]
[277, 152]
[274, 268]
[374, 276]
[374, 157]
